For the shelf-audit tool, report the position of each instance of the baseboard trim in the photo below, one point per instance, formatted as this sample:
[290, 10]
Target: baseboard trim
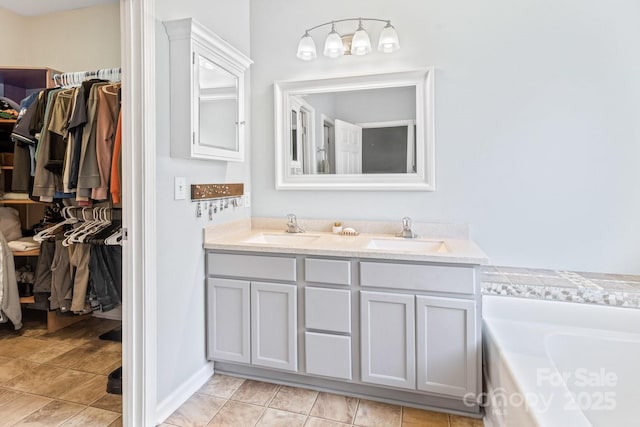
[180, 395]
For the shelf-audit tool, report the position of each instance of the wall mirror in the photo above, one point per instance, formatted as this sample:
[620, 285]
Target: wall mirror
[372, 132]
[207, 93]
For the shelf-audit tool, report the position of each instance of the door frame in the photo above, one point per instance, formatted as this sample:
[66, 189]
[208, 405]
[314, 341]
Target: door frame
[137, 28]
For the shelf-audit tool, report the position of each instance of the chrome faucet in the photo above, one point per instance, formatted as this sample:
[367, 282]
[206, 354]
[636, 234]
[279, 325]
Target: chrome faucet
[406, 232]
[292, 225]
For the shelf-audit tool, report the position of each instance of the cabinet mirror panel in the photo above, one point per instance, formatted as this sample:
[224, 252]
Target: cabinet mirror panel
[218, 110]
[363, 132]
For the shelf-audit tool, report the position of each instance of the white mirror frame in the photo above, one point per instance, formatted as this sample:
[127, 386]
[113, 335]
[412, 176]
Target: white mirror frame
[422, 180]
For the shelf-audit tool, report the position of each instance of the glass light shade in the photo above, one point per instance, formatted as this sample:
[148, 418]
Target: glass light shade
[388, 42]
[333, 47]
[361, 44]
[307, 48]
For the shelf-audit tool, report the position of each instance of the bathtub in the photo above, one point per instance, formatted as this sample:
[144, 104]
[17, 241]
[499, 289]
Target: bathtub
[549, 363]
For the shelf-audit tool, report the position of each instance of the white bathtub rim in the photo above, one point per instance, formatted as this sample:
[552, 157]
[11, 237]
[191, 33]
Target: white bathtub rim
[590, 316]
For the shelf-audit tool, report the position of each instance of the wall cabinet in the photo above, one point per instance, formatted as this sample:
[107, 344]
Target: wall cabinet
[207, 93]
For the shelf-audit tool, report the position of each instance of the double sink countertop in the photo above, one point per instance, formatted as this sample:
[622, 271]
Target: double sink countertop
[438, 243]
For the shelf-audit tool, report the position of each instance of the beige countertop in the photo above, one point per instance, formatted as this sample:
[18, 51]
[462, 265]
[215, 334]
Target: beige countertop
[249, 235]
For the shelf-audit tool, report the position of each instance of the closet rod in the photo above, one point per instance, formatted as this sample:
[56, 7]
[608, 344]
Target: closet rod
[76, 78]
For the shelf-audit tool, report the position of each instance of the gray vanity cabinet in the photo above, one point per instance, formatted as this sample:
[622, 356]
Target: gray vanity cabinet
[251, 321]
[402, 331]
[387, 333]
[447, 345]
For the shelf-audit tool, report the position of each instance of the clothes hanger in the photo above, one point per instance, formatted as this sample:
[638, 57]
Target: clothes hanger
[115, 239]
[69, 234]
[47, 233]
[100, 224]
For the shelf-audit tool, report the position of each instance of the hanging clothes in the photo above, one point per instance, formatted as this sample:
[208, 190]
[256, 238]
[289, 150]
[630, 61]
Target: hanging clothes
[69, 134]
[9, 295]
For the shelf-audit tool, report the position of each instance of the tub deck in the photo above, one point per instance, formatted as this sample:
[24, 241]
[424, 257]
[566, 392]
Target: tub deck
[551, 363]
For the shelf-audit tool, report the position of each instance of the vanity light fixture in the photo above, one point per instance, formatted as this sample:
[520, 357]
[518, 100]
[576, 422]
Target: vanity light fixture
[358, 43]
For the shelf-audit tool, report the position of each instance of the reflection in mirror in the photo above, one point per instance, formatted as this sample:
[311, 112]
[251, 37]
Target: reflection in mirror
[218, 111]
[354, 132]
[361, 132]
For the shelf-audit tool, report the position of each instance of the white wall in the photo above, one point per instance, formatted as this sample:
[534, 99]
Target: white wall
[180, 275]
[75, 40]
[537, 131]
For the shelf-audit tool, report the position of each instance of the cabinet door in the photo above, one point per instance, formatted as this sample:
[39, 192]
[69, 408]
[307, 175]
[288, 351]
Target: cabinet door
[273, 326]
[447, 345]
[228, 320]
[387, 334]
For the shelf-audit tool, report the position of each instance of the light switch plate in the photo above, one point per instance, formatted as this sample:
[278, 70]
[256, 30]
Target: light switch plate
[180, 189]
[247, 199]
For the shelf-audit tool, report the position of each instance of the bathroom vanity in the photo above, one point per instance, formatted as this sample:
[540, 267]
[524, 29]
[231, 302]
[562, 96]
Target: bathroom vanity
[373, 315]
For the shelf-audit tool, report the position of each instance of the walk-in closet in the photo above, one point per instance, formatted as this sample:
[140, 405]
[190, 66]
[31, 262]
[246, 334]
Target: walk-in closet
[61, 227]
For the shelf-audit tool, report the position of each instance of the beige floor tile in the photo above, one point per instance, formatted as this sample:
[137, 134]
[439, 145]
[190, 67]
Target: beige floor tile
[35, 380]
[101, 362]
[7, 396]
[335, 407]
[88, 392]
[74, 356]
[60, 385]
[278, 418]
[19, 347]
[294, 399]
[110, 402]
[49, 351]
[93, 417]
[374, 414]
[11, 368]
[412, 417]
[116, 423]
[457, 421]
[197, 411]
[255, 392]
[237, 414]
[52, 414]
[18, 408]
[321, 422]
[221, 386]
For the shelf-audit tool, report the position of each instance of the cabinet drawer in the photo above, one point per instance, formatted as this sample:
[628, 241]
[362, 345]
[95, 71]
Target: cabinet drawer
[252, 266]
[328, 355]
[337, 272]
[456, 280]
[327, 309]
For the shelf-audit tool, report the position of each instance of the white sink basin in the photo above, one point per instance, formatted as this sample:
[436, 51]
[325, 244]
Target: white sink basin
[281, 238]
[408, 245]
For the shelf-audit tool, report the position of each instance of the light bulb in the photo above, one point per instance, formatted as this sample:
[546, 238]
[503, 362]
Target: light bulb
[361, 44]
[388, 42]
[333, 47]
[307, 48]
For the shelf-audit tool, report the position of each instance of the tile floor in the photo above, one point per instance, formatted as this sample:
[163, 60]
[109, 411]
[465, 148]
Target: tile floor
[235, 402]
[58, 379]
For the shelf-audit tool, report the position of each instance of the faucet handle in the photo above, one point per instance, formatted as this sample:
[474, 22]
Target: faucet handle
[406, 223]
[291, 218]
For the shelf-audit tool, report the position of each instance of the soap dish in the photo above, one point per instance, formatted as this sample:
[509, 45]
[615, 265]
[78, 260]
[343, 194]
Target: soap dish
[348, 231]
